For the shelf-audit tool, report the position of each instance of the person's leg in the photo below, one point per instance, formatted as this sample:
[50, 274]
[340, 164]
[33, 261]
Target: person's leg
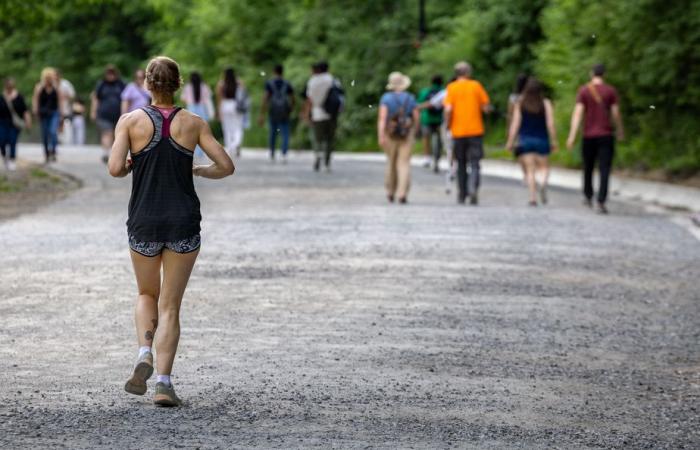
[606, 152]
[529, 164]
[177, 268]
[4, 140]
[284, 129]
[54, 125]
[403, 167]
[45, 123]
[475, 151]
[390, 176]
[316, 126]
[460, 154]
[542, 162]
[588, 155]
[330, 140]
[426, 139]
[272, 136]
[437, 146]
[147, 271]
[237, 132]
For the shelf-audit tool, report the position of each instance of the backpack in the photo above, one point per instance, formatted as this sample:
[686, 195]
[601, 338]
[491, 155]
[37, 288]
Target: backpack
[400, 123]
[242, 101]
[335, 99]
[279, 103]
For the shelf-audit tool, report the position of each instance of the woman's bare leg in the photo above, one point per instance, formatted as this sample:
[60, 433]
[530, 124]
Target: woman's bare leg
[529, 164]
[543, 169]
[177, 268]
[147, 270]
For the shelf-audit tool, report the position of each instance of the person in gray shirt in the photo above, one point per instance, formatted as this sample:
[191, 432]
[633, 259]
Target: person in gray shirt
[323, 102]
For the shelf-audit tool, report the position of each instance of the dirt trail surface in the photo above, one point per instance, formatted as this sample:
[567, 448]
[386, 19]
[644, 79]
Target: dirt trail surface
[318, 316]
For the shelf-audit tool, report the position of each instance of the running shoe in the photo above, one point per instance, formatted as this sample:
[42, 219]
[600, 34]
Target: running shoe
[11, 166]
[602, 209]
[165, 396]
[473, 199]
[142, 372]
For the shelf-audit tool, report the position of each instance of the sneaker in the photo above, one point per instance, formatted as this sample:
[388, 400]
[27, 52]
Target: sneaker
[427, 162]
[390, 198]
[403, 200]
[588, 202]
[328, 168]
[142, 372]
[317, 164]
[473, 199]
[532, 203]
[165, 396]
[105, 159]
[602, 209]
[11, 166]
[284, 159]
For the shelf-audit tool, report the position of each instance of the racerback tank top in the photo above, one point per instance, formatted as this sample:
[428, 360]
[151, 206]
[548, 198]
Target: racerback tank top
[164, 206]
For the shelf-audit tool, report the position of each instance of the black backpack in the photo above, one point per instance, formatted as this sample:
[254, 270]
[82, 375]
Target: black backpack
[279, 103]
[335, 99]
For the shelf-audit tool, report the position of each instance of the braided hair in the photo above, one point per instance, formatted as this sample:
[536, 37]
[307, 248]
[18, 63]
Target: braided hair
[163, 76]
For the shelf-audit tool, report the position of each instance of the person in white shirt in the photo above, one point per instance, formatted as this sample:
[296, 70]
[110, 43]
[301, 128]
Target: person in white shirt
[67, 91]
[323, 122]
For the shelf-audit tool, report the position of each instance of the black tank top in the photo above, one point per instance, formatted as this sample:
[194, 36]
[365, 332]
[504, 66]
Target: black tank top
[164, 206]
[48, 102]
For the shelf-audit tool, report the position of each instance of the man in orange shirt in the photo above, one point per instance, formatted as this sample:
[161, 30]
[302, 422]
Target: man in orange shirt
[465, 102]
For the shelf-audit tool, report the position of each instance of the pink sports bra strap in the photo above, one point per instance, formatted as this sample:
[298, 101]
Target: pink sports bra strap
[167, 120]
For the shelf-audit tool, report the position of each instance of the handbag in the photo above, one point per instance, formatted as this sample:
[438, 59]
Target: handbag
[17, 121]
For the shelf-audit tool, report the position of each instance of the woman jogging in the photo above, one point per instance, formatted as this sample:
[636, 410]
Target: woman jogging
[232, 106]
[156, 142]
[533, 126]
[47, 104]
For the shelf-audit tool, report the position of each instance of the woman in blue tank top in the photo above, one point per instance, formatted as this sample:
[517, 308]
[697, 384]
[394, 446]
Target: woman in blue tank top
[532, 126]
[155, 144]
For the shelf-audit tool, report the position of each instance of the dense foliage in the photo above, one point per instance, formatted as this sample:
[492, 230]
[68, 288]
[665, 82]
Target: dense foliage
[652, 49]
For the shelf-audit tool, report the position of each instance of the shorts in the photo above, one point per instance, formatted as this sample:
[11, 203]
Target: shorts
[105, 124]
[151, 249]
[427, 130]
[529, 144]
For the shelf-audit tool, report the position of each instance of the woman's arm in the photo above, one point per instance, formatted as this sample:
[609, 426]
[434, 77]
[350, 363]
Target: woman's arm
[222, 166]
[551, 129]
[514, 127]
[119, 166]
[381, 125]
[35, 100]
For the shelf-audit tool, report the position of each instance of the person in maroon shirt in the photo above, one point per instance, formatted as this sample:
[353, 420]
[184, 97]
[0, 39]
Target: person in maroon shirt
[597, 105]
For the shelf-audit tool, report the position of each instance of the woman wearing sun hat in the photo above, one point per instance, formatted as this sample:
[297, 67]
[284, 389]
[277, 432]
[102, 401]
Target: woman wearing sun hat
[398, 117]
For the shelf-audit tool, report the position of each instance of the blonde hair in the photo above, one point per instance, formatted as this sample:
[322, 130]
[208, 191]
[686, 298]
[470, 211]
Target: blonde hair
[163, 76]
[48, 73]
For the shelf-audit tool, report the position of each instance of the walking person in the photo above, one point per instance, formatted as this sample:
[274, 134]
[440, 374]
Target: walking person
[532, 125]
[78, 122]
[156, 143]
[47, 103]
[67, 91]
[232, 105]
[278, 103]
[324, 101]
[597, 106]
[106, 107]
[135, 96]
[14, 115]
[431, 118]
[465, 103]
[197, 98]
[396, 125]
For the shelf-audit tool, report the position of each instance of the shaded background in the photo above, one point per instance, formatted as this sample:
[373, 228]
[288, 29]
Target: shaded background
[651, 48]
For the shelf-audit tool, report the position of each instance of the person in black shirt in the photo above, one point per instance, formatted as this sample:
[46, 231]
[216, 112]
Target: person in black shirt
[14, 116]
[106, 107]
[47, 104]
[278, 102]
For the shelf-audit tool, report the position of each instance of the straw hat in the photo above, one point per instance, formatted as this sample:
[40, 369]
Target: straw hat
[398, 82]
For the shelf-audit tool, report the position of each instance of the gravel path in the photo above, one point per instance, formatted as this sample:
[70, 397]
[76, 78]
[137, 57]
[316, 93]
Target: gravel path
[320, 317]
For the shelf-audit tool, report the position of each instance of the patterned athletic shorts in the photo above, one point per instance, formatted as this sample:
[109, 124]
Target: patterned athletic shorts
[187, 245]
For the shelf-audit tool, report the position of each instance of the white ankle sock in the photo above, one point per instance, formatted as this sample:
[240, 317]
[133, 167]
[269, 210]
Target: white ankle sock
[144, 349]
[165, 379]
